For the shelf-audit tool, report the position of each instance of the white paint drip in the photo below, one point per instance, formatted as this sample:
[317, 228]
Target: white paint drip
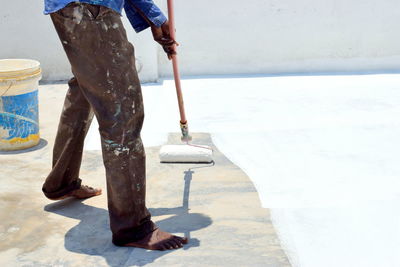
[104, 26]
[77, 15]
[119, 151]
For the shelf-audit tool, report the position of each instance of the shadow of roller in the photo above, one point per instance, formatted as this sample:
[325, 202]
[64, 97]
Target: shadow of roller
[184, 221]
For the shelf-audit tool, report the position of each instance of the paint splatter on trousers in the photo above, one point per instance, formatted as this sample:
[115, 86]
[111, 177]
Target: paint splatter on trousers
[105, 84]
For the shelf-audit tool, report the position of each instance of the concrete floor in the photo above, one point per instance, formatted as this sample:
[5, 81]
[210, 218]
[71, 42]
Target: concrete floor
[321, 151]
[216, 206]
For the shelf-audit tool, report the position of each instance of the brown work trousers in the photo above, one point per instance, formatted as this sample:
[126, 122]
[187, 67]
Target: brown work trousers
[105, 84]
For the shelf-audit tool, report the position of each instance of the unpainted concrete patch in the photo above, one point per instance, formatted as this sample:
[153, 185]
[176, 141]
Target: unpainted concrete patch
[215, 205]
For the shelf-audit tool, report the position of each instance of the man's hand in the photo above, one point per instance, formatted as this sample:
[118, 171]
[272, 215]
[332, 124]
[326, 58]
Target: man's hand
[162, 36]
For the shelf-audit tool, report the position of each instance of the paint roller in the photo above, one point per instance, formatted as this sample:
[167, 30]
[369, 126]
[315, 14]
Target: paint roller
[185, 153]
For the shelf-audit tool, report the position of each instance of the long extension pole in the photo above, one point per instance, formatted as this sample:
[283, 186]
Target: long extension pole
[183, 122]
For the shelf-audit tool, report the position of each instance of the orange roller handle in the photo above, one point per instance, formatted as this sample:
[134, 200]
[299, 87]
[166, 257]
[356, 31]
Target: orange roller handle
[183, 122]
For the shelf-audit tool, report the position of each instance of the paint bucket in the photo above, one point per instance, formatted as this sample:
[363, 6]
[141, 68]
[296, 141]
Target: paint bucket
[19, 110]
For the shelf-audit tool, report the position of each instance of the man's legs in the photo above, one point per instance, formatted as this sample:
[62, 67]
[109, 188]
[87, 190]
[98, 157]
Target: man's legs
[67, 152]
[103, 63]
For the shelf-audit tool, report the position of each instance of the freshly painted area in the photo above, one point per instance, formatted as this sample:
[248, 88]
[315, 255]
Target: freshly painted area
[322, 152]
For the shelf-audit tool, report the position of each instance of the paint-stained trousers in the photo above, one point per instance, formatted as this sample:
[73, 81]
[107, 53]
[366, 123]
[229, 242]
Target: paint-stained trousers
[105, 84]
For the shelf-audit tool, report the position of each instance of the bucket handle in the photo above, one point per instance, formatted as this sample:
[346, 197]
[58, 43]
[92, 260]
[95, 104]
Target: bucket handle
[11, 84]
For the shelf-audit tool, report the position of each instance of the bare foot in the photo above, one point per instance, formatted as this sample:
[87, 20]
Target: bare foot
[81, 193]
[159, 240]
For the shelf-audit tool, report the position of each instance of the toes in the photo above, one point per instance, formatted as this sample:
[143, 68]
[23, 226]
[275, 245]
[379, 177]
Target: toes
[165, 245]
[181, 240]
[175, 243]
[170, 245]
[178, 242]
[162, 247]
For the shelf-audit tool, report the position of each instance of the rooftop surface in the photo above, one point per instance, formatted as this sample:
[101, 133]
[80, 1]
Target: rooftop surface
[320, 152]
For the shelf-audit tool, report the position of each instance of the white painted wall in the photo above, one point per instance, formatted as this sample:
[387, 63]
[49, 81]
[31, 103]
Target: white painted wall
[236, 37]
[275, 36]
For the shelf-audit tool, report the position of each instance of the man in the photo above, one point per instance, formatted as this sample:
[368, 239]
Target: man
[106, 84]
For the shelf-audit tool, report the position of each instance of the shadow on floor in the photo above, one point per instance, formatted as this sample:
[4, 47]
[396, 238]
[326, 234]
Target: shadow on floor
[92, 236]
[42, 144]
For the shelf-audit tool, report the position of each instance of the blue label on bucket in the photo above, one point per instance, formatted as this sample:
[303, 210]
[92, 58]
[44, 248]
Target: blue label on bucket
[19, 116]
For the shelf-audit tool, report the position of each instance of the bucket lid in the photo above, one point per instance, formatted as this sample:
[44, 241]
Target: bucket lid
[18, 68]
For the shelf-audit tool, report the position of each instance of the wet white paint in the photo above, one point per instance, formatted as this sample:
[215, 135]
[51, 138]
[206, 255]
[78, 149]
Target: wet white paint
[322, 152]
